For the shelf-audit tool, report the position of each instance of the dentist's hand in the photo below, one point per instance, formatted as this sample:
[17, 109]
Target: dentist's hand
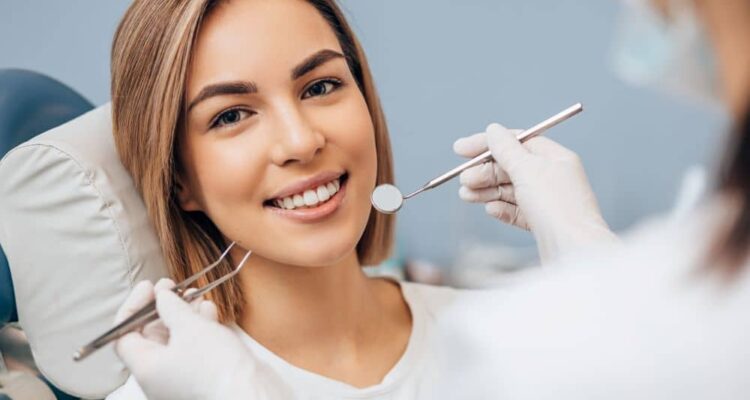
[539, 186]
[187, 354]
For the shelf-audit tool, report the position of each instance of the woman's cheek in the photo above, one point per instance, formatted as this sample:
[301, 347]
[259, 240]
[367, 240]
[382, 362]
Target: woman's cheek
[229, 175]
[361, 137]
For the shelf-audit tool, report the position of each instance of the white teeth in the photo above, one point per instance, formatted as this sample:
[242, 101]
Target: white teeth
[310, 197]
[298, 200]
[322, 193]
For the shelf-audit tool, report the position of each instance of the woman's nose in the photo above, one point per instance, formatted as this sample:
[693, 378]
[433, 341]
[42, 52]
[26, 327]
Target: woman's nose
[296, 139]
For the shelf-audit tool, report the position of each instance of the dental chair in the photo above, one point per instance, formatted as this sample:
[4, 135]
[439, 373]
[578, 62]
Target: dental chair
[73, 229]
[30, 104]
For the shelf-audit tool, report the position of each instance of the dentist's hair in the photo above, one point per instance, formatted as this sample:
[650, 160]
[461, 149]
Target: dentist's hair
[151, 55]
[732, 247]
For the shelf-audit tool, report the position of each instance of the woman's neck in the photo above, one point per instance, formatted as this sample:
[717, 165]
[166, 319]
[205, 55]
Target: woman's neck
[294, 309]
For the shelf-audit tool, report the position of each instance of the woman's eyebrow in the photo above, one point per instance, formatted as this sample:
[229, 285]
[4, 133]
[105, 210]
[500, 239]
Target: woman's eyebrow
[218, 89]
[246, 87]
[314, 61]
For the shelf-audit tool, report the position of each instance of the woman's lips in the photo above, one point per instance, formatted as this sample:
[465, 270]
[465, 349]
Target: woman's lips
[317, 213]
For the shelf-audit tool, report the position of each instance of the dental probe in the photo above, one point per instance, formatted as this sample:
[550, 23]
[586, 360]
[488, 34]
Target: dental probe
[388, 199]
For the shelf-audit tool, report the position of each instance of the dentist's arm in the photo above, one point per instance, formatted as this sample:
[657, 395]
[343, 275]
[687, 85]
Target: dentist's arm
[187, 354]
[539, 186]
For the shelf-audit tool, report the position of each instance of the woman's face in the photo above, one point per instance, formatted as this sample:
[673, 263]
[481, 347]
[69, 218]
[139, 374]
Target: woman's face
[279, 147]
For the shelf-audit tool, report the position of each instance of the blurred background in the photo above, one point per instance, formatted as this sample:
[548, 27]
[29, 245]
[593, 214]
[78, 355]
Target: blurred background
[445, 69]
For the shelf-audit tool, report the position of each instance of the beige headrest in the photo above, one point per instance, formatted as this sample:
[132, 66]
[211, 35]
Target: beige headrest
[77, 238]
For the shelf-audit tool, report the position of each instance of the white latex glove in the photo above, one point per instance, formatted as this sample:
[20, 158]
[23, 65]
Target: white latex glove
[539, 186]
[187, 354]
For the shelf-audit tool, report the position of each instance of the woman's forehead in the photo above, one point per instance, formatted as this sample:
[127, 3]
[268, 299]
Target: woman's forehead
[258, 37]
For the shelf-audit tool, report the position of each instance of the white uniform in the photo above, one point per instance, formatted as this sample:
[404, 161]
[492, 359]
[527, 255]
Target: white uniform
[646, 321]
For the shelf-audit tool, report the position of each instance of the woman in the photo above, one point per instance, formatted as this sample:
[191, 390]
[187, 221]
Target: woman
[257, 122]
[663, 316]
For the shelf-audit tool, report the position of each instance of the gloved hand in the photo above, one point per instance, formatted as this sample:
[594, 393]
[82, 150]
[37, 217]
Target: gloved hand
[538, 186]
[187, 354]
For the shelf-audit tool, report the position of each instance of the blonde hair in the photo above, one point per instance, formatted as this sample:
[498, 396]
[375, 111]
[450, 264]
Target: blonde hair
[151, 55]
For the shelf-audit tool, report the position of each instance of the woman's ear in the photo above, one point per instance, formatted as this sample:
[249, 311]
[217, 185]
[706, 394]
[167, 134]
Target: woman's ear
[185, 197]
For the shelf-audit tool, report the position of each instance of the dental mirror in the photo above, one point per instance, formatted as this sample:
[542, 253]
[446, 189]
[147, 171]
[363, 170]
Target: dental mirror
[388, 199]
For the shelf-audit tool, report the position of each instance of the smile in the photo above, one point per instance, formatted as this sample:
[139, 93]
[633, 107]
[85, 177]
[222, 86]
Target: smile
[311, 204]
[311, 197]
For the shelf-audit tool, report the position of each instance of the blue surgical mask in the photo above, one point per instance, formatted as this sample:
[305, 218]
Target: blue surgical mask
[670, 53]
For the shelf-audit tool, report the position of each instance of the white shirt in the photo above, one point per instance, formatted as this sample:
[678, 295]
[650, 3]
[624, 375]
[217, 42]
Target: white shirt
[413, 377]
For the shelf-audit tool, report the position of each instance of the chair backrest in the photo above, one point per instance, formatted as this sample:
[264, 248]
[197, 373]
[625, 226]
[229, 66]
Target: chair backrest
[77, 237]
[30, 103]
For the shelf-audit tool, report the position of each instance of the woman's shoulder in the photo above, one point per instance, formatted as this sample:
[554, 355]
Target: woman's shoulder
[428, 292]
[437, 300]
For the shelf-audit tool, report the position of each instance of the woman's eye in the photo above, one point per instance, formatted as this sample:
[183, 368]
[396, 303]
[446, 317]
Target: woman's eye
[321, 88]
[230, 117]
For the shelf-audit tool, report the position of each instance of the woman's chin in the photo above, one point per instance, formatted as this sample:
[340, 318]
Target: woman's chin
[321, 244]
[307, 253]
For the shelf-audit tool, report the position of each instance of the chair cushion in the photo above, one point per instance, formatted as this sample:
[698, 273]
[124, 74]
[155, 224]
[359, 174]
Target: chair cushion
[77, 238]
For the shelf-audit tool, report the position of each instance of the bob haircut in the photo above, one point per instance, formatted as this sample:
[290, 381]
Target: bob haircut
[151, 56]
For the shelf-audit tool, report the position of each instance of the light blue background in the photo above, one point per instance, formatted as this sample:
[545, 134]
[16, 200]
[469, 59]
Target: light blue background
[446, 69]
